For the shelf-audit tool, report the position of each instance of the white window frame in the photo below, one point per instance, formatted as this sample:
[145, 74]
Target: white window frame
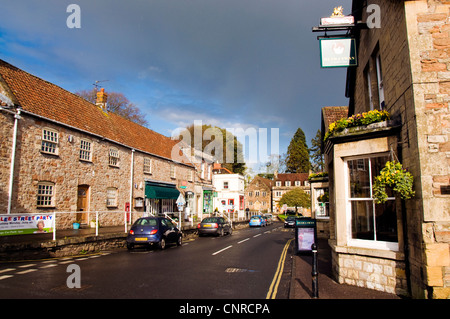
[355, 242]
[278, 183]
[114, 158]
[287, 183]
[45, 194]
[50, 141]
[112, 197]
[298, 183]
[148, 165]
[85, 150]
[173, 173]
[382, 104]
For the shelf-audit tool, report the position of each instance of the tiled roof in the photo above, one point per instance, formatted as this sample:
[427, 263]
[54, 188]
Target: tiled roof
[50, 101]
[268, 182]
[292, 177]
[331, 114]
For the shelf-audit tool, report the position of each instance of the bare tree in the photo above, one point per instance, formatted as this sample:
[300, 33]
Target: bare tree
[118, 104]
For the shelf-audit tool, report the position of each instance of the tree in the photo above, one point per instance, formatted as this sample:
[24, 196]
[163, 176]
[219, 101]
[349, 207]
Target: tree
[297, 160]
[226, 149]
[118, 104]
[316, 154]
[296, 198]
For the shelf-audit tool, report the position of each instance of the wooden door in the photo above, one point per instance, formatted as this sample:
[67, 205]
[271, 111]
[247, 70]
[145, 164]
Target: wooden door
[83, 203]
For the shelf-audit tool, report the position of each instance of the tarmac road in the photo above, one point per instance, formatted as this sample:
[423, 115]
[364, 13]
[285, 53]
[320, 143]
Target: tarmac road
[241, 266]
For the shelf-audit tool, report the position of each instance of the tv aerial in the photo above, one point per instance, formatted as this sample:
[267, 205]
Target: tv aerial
[96, 84]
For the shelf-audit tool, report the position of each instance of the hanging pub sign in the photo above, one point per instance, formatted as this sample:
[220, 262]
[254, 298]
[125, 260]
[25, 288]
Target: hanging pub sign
[337, 52]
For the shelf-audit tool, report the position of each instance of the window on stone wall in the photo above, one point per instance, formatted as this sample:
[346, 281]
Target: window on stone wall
[369, 221]
[50, 139]
[147, 165]
[85, 150]
[172, 171]
[111, 197]
[113, 157]
[46, 194]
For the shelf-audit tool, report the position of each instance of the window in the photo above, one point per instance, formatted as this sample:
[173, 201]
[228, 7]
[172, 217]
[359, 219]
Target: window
[46, 194]
[241, 202]
[225, 185]
[287, 183]
[191, 176]
[49, 141]
[111, 197]
[278, 183]
[147, 165]
[380, 82]
[172, 171]
[298, 183]
[372, 222]
[264, 194]
[114, 157]
[278, 194]
[369, 86]
[250, 194]
[256, 193]
[85, 150]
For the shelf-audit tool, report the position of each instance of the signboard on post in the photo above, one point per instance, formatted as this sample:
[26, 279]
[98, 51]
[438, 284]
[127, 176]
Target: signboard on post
[21, 224]
[305, 234]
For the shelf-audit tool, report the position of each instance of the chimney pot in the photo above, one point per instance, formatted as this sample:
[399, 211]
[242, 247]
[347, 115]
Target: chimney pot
[102, 97]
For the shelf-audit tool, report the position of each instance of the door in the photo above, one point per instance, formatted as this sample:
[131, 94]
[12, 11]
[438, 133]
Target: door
[83, 203]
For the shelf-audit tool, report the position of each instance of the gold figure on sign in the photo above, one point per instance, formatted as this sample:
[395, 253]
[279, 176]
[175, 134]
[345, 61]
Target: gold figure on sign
[338, 12]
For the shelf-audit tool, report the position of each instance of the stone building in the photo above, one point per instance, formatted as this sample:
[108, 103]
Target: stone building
[401, 246]
[258, 195]
[284, 182]
[62, 153]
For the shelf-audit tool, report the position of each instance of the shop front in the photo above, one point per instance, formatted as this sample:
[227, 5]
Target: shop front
[160, 198]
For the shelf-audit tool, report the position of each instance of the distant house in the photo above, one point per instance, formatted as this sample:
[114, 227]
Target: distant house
[258, 195]
[229, 190]
[62, 153]
[285, 182]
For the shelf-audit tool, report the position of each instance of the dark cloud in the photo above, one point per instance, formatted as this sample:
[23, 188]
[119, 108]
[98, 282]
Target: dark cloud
[246, 62]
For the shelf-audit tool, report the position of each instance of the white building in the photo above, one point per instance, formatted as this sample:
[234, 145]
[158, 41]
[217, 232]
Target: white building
[229, 192]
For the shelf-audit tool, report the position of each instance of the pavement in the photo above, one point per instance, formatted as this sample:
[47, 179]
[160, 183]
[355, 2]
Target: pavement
[328, 288]
[301, 279]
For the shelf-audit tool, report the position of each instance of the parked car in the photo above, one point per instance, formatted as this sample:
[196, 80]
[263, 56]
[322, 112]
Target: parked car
[153, 231]
[289, 221]
[257, 221]
[269, 218]
[214, 226]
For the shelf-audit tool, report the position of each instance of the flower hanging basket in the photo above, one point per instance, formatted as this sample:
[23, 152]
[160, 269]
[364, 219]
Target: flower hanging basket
[395, 176]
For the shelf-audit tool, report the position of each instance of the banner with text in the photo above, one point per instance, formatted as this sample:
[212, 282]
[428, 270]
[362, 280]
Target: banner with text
[20, 224]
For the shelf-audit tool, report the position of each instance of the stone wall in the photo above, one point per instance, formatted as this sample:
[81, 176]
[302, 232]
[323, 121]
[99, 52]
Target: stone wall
[68, 172]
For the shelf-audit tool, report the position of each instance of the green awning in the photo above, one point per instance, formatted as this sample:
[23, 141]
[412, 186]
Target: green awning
[160, 192]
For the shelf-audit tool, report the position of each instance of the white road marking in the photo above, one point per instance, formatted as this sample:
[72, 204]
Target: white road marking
[243, 240]
[219, 251]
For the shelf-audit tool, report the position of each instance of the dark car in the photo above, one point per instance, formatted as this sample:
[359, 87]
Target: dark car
[214, 226]
[289, 222]
[153, 231]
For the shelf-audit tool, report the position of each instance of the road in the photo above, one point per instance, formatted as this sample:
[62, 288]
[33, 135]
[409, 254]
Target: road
[241, 266]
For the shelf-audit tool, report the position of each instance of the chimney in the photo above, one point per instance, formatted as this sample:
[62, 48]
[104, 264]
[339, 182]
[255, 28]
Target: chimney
[101, 99]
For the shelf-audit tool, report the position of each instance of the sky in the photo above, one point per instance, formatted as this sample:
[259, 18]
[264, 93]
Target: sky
[249, 65]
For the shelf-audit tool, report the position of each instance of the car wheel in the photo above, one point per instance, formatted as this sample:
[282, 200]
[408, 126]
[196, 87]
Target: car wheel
[180, 240]
[230, 231]
[162, 244]
[221, 232]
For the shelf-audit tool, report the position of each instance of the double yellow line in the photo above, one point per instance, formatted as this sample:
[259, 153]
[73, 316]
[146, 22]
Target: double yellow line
[273, 289]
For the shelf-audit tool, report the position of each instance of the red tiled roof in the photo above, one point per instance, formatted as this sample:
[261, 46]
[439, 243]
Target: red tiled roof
[50, 101]
[331, 114]
[292, 177]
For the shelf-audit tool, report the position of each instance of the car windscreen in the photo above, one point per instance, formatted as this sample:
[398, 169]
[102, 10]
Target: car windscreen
[210, 220]
[255, 217]
[146, 222]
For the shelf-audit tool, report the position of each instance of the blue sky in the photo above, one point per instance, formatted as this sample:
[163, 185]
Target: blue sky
[234, 63]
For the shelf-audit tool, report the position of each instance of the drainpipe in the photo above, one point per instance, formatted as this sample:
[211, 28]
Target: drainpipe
[13, 158]
[131, 182]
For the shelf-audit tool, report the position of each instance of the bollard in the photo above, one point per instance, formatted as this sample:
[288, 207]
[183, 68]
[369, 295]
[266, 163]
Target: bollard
[315, 273]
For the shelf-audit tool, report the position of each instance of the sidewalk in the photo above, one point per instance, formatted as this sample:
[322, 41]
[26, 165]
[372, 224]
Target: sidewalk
[301, 281]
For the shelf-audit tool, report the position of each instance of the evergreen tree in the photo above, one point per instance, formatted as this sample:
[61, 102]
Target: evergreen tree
[316, 154]
[297, 160]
